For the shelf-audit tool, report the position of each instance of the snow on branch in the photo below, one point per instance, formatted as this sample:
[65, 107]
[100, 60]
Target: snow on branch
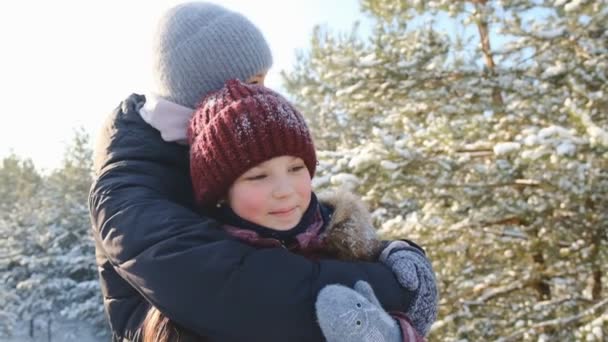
[561, 322]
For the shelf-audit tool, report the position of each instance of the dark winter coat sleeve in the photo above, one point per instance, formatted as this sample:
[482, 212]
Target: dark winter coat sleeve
[152, 248]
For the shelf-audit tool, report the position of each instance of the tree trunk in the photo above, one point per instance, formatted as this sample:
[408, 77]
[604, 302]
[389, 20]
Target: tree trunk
[484, 37]
[541, 286]
[596, 290]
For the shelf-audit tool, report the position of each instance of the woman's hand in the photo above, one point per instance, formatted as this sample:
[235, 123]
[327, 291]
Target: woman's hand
[415, 273]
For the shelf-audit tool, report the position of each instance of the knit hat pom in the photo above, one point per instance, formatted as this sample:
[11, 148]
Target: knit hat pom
[237, 128]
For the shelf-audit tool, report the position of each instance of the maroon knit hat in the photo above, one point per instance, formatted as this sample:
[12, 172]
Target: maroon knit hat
[237, 128]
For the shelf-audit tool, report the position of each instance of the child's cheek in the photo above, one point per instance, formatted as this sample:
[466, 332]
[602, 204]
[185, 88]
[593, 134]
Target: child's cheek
[250, 205]
[304, 187]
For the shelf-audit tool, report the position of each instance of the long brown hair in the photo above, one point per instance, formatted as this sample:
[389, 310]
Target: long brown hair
[159, 328]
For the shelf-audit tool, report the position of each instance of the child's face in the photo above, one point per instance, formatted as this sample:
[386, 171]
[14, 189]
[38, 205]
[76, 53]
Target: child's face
[273, 194]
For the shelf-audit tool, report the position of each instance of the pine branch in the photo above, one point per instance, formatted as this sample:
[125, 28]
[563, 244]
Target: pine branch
[558, 322]
[515, 183]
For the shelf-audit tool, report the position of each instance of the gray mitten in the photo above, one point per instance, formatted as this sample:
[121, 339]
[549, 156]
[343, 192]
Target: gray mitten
[347, 315]
[415, 273]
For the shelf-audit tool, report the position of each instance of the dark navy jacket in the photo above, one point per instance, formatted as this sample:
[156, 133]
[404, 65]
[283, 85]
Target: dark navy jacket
[152, 248]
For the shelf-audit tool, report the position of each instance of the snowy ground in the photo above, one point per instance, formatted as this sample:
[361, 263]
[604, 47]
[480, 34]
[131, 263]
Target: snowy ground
[60, 332]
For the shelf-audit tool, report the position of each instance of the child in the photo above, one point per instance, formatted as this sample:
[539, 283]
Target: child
[152, 249]
[251, 161]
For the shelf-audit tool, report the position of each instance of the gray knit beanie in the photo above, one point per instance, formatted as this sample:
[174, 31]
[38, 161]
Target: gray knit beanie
[199, 46]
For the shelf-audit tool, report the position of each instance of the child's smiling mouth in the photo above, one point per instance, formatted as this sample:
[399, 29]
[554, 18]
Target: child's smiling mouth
[283, 212]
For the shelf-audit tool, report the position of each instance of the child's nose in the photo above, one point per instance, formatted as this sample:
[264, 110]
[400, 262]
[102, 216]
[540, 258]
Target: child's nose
[283, 187]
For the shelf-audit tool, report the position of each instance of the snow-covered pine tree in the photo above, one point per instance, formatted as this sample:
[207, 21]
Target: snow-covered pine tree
[47, 261]
[73, 246]
[19, 182]
[487, 143]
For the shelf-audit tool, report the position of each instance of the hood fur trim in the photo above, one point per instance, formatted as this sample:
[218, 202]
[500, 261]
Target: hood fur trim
[350, 233]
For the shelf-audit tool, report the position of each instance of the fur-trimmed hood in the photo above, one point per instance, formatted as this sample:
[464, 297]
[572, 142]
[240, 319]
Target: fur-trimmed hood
[350, 233]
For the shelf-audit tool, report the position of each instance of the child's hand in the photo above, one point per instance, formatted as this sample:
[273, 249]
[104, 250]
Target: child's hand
[347, 315]
[415, 273]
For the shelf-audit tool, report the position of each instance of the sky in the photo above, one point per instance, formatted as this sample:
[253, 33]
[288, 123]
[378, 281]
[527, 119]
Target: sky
[67, 64]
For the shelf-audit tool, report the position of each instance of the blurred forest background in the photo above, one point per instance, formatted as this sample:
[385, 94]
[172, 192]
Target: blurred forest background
[487, 144]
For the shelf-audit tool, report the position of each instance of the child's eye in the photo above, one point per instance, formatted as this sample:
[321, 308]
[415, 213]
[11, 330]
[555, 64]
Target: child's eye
[256, 177]
[297, 168]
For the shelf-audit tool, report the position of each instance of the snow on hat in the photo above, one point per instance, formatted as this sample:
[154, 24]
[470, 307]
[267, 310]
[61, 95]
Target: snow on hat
[199, 46]
[237, 128]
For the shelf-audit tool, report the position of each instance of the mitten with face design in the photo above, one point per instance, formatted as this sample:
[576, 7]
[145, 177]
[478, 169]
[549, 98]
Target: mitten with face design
[347, 315]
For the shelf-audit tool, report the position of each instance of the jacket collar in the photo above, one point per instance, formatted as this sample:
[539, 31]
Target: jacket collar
[169, 118]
